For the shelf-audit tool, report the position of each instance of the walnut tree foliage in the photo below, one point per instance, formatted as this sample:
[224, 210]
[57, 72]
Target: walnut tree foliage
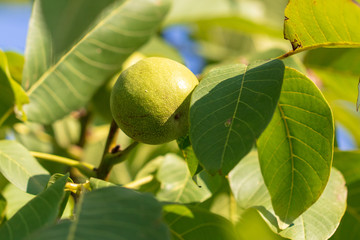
[260, 159]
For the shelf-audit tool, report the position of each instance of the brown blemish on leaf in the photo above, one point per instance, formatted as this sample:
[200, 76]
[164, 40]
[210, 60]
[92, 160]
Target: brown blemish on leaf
[296, 43]
[228, 122]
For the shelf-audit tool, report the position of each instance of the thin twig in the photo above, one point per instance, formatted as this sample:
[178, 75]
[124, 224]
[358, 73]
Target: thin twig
[139, 182]
[85, 168]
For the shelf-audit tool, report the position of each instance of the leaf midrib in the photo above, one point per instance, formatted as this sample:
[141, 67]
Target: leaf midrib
[233, 117]
[63, 58]
[291, 157]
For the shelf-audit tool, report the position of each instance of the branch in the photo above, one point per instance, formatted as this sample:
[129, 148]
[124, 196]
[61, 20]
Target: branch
[112, 133]
[110, 159]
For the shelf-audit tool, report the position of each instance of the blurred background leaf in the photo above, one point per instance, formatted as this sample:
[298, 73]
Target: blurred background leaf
[337, 74]
[348, 162]
[189, 223]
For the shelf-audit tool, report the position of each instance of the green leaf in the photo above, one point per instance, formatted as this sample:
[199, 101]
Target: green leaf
[67, 131]
[20, 168]
[96, 183]
[2, 208]
[229, 109]
[189, 155]
[190, 223]
[16, 65]
[12, 93]
[112, 213]
[295, 150]
[311, 24]
[40, 211]
[317, 222]
[177, 184]
[69, 61]
[6, 96]
[15, 198]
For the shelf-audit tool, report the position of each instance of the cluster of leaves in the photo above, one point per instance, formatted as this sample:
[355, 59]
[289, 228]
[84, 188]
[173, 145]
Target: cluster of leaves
[261, 134]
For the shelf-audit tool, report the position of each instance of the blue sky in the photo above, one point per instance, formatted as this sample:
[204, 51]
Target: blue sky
[14, 19]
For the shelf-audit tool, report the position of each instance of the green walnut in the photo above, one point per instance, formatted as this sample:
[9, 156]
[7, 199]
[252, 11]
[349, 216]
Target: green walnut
[150, 100]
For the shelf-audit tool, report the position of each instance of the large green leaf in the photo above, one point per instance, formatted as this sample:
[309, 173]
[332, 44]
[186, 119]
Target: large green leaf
[229, 109]
[20, 168]
[318, 222]
[40, 211]
[310, 24]
[189, 223]
[295, 150]
[67, 62]
[112, 213]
